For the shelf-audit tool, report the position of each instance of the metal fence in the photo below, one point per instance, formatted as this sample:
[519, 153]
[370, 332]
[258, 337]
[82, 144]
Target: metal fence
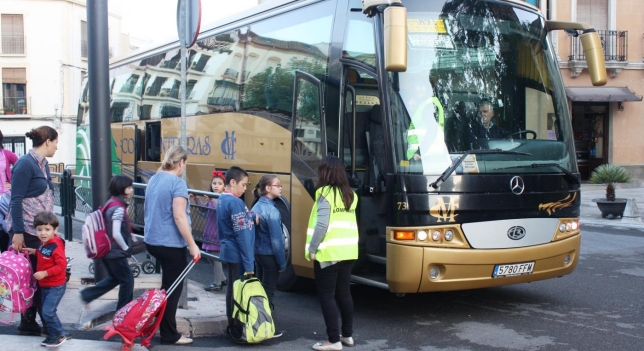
[73, 194]
[614, 44]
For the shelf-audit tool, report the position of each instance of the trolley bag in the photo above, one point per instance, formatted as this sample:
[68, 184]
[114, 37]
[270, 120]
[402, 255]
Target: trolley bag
[17, 286]
[141, 317]
[252, 319]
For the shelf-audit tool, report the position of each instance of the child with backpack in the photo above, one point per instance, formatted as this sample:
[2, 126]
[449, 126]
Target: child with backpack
[210, 233]
[50, 273]
[237, 228]
[117, 224]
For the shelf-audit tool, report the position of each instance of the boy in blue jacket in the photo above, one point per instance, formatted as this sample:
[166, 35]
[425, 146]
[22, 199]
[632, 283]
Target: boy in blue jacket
[236, 232]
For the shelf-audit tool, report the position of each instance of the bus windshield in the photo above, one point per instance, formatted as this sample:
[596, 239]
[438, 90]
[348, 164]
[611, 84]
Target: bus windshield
[480, 76]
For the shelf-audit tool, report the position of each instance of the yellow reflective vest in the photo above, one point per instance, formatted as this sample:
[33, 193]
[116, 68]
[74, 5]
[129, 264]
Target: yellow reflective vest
[341, 239]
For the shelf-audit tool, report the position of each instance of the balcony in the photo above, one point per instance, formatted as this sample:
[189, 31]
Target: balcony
[615, 45]
[13, 45]
[14, 105]
[231, 73]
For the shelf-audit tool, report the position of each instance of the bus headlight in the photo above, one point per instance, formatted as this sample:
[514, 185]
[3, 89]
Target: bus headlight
[568, 226]
[575, 225]
[449, 235]
[422, 235]
[562, 227]
[436, 235]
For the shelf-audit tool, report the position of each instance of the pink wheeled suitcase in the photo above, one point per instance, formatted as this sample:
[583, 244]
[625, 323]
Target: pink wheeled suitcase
[141, 317]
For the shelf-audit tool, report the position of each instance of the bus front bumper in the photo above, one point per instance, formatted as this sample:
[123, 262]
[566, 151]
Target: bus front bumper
[409, 267]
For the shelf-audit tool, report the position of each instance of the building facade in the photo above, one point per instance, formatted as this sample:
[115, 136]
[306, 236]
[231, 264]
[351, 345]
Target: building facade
[43, 58]
[607, 121]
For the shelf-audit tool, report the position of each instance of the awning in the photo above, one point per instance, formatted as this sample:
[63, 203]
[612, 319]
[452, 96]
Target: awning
[603, 94]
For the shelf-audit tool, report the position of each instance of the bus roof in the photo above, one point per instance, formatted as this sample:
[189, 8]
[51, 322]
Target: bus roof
[266, 8]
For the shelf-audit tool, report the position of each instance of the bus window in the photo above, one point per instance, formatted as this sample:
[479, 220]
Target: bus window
[359, 41]
[279, 47]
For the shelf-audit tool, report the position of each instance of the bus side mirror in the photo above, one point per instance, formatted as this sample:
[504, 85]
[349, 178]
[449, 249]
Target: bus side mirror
[594, 57]
[395, 38]
[591, 44]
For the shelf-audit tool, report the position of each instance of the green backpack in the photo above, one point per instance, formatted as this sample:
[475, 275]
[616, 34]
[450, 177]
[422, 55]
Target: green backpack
[252, 319]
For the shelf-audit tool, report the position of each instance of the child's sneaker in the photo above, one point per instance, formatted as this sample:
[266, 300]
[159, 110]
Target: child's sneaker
[213, 287]
[53, 343]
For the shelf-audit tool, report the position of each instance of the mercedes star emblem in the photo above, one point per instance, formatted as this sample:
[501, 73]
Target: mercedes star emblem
[516, 185]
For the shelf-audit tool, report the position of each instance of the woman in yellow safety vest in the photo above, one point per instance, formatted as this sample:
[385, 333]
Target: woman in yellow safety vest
[332, 245]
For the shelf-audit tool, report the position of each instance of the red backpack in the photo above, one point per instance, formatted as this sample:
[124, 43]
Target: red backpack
[17, 286]
[95, 239]
[141, 317]
[137, 318]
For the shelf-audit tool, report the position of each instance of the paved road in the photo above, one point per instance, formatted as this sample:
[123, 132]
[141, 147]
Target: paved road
[598, 307]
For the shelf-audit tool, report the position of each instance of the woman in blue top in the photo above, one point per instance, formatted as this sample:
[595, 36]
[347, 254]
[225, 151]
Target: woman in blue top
[168, 232]
[269, 241]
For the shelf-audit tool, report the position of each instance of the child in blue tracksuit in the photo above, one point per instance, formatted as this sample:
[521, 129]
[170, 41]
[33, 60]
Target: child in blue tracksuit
[236, 231]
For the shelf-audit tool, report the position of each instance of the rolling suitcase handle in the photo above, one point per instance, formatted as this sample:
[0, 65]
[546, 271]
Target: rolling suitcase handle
[181, 277]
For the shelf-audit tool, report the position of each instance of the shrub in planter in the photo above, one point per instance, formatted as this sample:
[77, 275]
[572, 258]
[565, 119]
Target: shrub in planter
[610, 175]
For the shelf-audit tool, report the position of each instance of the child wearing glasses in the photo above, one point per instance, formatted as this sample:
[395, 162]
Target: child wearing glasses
[269, 240]
[210, 233]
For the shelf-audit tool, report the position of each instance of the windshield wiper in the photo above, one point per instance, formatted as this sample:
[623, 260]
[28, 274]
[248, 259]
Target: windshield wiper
[540, 165]
[458, 162]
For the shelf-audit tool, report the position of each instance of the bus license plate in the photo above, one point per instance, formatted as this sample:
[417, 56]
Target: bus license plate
[508, 270]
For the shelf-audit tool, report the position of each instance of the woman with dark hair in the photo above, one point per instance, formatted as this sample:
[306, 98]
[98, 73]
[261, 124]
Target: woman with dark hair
[7, 159]
[32, 192]
[332, 245]
[119, 230]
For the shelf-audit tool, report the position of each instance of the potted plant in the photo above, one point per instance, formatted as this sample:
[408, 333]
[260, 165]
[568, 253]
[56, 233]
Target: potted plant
[8, 110]
[609, 174]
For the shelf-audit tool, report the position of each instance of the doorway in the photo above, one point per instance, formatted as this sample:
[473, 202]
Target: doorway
[590, 130]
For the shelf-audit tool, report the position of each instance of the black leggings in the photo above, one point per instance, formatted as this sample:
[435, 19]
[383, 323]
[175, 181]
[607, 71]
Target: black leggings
[173, 261]
[335, 297]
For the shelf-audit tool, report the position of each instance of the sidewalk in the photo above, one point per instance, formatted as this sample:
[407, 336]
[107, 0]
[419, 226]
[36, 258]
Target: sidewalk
[591, 215]
[205, 316]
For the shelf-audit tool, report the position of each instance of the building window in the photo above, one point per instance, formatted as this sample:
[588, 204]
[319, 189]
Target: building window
[84, 48]
[13, 34]
[14, 143]
[14, 90]
[593, 12]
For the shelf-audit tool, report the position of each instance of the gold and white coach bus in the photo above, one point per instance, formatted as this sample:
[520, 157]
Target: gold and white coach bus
[394, 89]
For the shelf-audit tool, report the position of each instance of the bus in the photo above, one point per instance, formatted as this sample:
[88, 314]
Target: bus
[395, 90]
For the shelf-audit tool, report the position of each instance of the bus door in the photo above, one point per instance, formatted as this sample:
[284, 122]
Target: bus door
[363, 152]
[150, 151]
[129, 150]
[309, 140]
[361, 131]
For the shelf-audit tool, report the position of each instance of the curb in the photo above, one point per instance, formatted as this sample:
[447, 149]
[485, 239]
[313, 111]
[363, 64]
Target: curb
[205, 326]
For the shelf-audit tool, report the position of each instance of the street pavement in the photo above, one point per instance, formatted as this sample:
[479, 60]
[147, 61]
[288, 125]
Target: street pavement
[206, 312]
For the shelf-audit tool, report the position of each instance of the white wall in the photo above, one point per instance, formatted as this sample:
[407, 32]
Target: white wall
[54, 67]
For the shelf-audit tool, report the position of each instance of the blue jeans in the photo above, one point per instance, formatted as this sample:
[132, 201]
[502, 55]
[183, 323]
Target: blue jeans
[118, 273]
[50, 299]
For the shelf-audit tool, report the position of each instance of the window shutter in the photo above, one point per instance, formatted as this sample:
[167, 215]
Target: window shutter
[14, 75]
